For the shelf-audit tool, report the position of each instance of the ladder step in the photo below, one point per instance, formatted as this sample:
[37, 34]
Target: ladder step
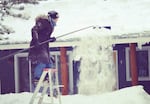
[45, 83]
[56, 86]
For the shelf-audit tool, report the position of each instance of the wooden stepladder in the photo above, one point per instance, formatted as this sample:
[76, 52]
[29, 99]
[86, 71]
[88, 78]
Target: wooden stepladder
[47, 84]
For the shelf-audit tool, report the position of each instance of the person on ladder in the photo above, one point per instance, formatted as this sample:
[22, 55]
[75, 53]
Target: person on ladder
[39, 54]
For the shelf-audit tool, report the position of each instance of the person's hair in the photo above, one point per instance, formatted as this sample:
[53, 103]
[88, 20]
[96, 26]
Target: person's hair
[41, 17]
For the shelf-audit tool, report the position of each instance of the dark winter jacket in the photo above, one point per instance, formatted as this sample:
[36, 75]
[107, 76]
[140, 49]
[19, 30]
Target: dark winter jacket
[41, 32]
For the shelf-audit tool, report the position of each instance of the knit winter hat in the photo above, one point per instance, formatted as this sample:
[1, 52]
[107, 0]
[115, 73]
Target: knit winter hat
[53, 14]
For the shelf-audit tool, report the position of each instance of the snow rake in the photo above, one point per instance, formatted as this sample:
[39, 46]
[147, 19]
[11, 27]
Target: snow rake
[23, 50]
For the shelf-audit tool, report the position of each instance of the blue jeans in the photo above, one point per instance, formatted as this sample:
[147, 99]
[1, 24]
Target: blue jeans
[39, 69]
[38, 72]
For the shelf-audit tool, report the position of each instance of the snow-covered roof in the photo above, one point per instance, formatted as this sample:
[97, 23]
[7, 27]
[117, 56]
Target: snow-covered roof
[127, 18]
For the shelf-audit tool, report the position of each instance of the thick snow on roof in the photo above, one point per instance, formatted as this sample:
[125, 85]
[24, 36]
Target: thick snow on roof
[130, 95]
[124, 17]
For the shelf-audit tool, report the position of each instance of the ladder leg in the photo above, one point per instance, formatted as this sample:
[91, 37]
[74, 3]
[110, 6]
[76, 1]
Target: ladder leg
[43, 92]
[38, 87]
[50, 85]
[57, 88]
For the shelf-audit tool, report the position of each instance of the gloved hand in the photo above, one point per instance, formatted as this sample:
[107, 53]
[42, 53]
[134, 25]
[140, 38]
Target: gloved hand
[52, 39]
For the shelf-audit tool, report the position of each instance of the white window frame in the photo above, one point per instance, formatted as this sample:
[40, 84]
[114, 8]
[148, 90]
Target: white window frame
[116, 69]
[16, 69]
[128, 78]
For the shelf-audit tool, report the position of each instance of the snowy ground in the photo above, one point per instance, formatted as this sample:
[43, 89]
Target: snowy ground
[130, 95]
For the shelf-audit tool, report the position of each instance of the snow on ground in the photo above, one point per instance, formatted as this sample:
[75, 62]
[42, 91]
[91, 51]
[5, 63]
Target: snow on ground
[129, 95]
[124, 16]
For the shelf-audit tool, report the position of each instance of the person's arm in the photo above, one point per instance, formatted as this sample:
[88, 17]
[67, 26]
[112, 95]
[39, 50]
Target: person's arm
[35, 35]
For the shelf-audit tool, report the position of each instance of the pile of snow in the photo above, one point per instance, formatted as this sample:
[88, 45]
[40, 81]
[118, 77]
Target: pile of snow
[130, 95]
[97, 69]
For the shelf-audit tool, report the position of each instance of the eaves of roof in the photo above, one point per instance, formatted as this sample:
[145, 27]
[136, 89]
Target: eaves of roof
[76, 42]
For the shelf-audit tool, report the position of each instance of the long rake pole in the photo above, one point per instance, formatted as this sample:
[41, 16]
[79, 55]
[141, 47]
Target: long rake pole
[23, 50]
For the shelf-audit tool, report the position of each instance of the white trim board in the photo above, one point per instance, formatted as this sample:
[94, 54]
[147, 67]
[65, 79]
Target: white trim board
[141, 40]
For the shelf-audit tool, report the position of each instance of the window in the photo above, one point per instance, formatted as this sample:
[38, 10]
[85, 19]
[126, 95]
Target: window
[22, 67]
[143, 64]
